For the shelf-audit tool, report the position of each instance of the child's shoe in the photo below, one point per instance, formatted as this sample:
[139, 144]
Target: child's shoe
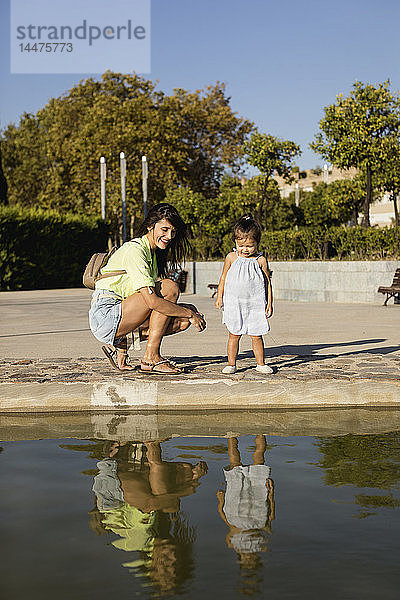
[229, 370]
[264, 369]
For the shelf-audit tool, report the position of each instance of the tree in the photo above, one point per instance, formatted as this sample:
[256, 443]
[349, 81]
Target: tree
[201, 218]
[356, 132]
[370, 461]
[211, 219]
[270, 155]
[332, 204]
[388, 177]
[51, 159]
[3, 184]
[279, 213]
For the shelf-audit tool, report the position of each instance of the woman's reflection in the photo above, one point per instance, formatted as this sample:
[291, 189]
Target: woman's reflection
[247, 506]
[138, 498]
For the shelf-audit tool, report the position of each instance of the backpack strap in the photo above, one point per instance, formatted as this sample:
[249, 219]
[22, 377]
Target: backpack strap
[106, 259]
[109, 273]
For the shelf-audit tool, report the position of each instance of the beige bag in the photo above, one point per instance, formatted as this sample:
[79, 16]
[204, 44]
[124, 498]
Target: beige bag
[92, 272]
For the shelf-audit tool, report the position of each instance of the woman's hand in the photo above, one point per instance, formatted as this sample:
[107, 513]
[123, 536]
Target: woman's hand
[218, 302]
[198, 320]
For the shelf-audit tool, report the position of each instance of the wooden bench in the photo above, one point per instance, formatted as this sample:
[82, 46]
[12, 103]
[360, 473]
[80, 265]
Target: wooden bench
[181, 280]
[214, 288]
[393, 291]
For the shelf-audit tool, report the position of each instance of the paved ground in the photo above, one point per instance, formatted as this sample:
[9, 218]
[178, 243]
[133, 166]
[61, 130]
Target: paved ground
[45, 337]
[337, 371]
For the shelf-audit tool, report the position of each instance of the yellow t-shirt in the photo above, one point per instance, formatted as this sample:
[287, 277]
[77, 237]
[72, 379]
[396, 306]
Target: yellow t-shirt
[136, 529]
[140, 264]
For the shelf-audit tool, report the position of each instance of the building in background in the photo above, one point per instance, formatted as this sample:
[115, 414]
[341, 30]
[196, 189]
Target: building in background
[381, 211]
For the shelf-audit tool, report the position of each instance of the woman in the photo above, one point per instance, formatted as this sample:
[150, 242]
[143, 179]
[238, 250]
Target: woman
[134, 300]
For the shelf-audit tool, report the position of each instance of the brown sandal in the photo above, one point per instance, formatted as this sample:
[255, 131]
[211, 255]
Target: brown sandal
[111, 353]
[153, 369]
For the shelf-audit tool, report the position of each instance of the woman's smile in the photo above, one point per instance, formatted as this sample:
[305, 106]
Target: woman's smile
[161, 234]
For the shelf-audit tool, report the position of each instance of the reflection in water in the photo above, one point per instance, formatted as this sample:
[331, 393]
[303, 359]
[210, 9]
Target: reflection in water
[371, 461]
[138, 498]
[247, 507]
[138, 504]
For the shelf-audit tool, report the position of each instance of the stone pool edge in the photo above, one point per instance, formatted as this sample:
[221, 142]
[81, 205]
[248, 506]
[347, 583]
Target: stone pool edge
[118, 394]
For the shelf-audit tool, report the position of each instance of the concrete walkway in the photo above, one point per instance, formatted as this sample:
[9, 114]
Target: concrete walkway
[323, 355]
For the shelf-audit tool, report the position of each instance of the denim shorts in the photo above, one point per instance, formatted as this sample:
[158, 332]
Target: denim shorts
[104, 315]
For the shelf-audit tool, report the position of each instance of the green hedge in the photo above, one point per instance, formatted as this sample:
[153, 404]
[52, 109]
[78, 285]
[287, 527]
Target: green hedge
[341, 243]
[43, 249]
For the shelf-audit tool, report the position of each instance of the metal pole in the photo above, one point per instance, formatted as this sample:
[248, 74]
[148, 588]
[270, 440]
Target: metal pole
[144, 185]
[103, 177]
[325, 173]
[122, 161]
[296, 197]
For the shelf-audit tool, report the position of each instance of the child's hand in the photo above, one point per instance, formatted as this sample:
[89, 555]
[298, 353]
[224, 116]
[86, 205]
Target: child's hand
[268, 311]
[269, 485]
[218, 303]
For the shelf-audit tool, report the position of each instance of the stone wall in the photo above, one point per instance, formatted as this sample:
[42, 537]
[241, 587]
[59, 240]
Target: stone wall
[310, 281]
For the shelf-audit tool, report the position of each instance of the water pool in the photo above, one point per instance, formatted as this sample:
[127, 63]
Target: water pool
[322, 521]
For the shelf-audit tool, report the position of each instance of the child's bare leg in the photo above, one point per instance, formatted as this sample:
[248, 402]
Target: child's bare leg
[233, 348]
[233, 452]
[258, 348]
[261, 446]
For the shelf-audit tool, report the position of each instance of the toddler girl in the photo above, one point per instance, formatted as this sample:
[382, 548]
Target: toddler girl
[245, 293]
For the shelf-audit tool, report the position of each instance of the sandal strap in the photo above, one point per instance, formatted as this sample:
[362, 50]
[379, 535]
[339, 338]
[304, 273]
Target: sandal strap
[122, 351]
[160, 362]
[164, 360]
[144, 362]
[154, 364]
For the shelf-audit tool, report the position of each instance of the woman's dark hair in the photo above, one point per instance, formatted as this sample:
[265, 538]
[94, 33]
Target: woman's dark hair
[179, 247]
[247, 227]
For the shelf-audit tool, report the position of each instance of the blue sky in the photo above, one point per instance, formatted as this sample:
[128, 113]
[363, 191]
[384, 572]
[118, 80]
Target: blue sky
[282, 61]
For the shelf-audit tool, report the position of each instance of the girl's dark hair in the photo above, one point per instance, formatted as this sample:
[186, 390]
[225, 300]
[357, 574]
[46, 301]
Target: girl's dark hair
[247, 227]
[179, 247]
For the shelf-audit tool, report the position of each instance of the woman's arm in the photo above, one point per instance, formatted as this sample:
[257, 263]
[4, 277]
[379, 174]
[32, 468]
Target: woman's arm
[262, 261]
[170, 309]
[220, 293]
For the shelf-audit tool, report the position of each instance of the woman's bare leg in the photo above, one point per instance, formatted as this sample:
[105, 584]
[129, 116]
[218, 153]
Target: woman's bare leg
[153, 325]
[233, 348]
[158, 474]
[134, 312]
[176, 324]
[160, 325]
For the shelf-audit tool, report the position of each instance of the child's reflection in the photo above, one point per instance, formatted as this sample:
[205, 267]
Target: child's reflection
[138, 498]
[247, 506]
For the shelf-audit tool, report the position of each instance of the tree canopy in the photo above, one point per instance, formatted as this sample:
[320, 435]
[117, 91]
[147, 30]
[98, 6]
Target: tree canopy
[388, 177]
[331, 204]
[211, 219]
[270, 155]
[363, 461]
[51, 159]
[196, 146]
[357, 131]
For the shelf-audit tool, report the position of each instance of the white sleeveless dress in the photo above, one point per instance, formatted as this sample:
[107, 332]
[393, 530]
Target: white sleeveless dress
[244, 299]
